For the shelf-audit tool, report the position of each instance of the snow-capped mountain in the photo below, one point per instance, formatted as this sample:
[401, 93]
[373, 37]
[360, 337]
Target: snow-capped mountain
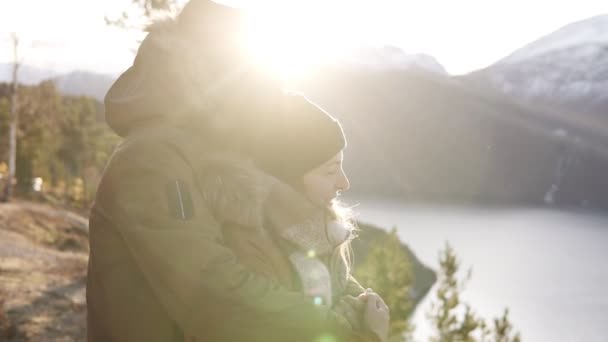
[390, 57]
[568, 67]
[589, 32]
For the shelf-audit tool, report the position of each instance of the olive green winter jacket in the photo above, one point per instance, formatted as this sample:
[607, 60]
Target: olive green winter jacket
[159, 269]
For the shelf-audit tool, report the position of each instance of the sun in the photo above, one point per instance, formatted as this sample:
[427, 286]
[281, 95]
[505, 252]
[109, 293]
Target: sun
[290, 41]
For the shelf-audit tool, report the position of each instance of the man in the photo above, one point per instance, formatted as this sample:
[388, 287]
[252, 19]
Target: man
[158, 269]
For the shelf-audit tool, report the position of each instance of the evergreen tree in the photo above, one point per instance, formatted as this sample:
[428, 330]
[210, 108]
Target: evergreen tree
[86, 145]
[388, 271]
[38, 133]
[62, 140]
[503, 329]
[454, 320]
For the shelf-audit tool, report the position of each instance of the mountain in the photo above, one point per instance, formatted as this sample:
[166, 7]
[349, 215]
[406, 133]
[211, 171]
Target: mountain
[421, 137]
[72, 83]
[425, 136]
[392, 58]
[493, 136]
[84, 83]
[567, 68]
[29, 75]
[87, 83]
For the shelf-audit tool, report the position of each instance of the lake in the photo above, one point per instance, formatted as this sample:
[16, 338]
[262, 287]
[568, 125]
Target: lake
[548, 266]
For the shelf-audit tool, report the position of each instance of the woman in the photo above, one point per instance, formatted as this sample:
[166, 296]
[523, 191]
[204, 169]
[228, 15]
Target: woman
[300, 236]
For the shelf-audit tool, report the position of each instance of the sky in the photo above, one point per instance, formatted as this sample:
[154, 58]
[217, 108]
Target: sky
[462, 35]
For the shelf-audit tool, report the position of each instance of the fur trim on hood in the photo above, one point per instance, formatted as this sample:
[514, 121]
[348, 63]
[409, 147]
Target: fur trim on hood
[234, 188]
[190, 68]
[238, 191]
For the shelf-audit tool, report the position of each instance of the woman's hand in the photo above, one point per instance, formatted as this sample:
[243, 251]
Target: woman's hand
[376, 316]
[352, 308]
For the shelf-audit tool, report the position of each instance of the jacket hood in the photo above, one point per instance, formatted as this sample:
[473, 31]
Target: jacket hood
[186, 69]
[155, 86]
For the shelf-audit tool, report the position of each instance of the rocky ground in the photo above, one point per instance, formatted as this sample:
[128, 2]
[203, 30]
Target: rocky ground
[43, 259]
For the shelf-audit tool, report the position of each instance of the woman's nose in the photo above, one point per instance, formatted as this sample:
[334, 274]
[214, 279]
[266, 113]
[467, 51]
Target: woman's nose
[343, 183]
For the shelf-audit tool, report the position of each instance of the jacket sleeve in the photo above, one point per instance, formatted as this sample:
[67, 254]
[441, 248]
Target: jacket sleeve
[150, 195]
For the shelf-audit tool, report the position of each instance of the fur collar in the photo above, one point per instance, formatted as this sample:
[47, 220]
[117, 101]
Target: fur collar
[238, 192]
[234, 189]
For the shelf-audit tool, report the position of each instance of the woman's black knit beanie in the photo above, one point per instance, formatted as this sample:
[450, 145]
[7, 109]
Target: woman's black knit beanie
[296, 138]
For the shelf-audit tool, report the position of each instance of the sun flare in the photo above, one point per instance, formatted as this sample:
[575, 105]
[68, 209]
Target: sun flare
[291, 41]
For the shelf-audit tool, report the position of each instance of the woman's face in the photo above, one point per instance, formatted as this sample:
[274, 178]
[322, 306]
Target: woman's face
[326, 182]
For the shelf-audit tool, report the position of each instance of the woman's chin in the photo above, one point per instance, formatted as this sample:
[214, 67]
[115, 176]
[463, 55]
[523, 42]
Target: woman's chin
[330, 202]
[324, 203]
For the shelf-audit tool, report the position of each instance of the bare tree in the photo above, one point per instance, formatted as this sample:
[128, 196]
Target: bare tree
[138, 10]
[14, 122]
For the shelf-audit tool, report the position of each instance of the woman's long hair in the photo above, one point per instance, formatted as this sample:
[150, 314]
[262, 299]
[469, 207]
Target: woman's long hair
[339, 211]
[345, 215]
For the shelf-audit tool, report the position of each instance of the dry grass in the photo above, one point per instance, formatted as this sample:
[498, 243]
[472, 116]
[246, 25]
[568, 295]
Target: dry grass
[43, 261]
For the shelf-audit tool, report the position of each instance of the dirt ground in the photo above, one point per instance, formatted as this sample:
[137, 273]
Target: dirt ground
[43, 260]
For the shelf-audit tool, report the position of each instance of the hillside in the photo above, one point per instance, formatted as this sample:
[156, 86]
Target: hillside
[43, 260]
[565, 69]
[423, 137]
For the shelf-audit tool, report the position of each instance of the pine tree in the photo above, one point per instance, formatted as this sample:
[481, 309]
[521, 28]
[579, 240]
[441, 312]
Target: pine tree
[61, 139]
[454, 320]
[503, 329]
[388, 271]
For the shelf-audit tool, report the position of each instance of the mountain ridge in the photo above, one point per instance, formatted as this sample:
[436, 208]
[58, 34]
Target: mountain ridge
[566, 69]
